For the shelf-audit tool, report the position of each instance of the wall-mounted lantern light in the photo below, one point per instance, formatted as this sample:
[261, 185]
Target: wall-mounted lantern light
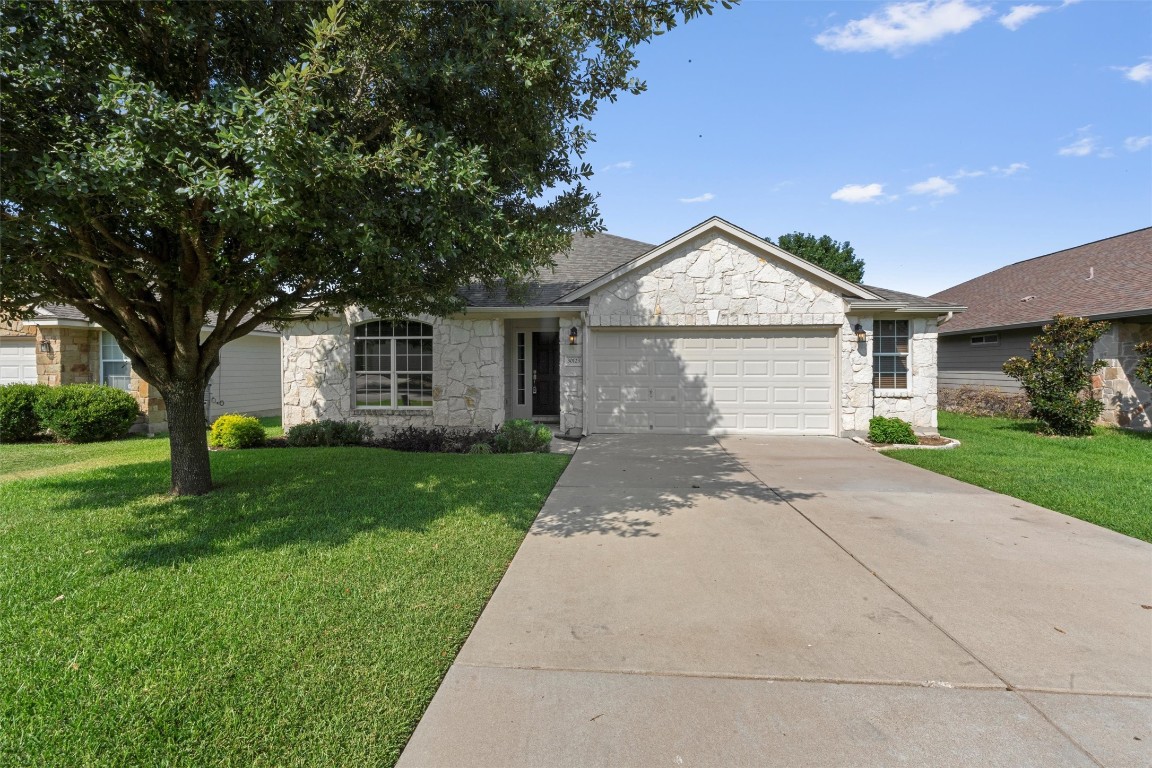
[573, 334]
[45, 346]
[861, 334]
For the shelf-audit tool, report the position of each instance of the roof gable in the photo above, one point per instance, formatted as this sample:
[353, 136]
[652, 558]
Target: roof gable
[743, 237]
[1110, 277]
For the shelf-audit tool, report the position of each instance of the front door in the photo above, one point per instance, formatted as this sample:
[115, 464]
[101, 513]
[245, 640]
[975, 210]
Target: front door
[546, 374]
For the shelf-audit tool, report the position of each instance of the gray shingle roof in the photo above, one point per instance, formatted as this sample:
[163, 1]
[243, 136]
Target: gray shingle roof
[60, 312]
[592, 257]
[910, 299]
[586, 260]
[1106, 277]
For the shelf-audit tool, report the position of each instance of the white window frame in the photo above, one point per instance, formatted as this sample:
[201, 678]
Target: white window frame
[123, 359]
[393, 375]
[907, 357]
[985, 340]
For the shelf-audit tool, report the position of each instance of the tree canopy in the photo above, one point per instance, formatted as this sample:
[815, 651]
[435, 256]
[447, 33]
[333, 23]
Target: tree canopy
[836, 257]
[250, 162]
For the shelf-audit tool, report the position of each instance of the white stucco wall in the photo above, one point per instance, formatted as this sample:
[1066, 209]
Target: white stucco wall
[467, 378]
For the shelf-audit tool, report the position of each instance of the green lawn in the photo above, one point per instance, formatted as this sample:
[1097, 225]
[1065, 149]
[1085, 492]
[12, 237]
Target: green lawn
[301, 614]
[1105, 479]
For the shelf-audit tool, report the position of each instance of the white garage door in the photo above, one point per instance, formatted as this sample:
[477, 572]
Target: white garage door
[713, 381]
[17, 360]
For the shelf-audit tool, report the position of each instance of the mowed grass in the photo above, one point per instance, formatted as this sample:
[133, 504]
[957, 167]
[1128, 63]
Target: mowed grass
[1105, 479]
[301, 614]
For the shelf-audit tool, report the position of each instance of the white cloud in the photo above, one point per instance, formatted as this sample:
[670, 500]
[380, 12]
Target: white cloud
[963, 174]
[623, 165]
[859, 193]
[699, 199]
[1140, 73]
[1084, 145]
[1011, 170]
[1021, 14]
[935, 186]
[1137, 143]
[900, 26]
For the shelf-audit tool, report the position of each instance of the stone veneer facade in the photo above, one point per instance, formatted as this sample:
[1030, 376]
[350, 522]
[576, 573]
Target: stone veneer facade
[710, 281]
[713, 281]
[1127, 402]
[467, 374]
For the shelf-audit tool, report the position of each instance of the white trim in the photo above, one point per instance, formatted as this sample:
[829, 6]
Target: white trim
[747, 238]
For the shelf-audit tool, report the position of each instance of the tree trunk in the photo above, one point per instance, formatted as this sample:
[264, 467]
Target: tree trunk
[191, 470]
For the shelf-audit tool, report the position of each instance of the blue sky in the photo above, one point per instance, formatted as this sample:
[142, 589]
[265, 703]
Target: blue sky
[943, 139]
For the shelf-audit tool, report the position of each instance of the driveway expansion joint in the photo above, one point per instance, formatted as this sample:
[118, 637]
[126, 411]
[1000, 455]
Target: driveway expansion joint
[741, 676]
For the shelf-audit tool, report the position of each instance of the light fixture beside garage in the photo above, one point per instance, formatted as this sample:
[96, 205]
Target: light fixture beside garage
[861, 334]
[573, 334]
[45, 346]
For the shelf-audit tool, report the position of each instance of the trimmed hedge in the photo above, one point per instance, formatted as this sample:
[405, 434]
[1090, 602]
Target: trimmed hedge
[18, 420]
[436, 439]
[86, 413]
[328, 432]
[235, 431]
[891, 431]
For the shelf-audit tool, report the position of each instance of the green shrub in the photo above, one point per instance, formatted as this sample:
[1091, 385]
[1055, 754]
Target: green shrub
[18, 420]
[235, 431]
[522, 436]
[480, 448]
[86, 413]
[891, 431]
[1143, 369]
[1058, 375]
[329, 432]
[436, 439]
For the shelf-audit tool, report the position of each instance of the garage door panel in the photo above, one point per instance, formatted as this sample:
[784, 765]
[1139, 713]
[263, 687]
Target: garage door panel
[701, 381]
[17, 360]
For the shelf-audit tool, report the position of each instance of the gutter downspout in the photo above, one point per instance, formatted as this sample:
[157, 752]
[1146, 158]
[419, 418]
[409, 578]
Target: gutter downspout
[585, 370]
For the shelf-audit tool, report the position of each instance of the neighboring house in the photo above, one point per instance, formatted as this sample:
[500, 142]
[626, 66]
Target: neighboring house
[715, 331]
[1106, 280]
[61, 346]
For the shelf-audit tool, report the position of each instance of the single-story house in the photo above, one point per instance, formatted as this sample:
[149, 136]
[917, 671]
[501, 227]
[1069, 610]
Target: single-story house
[1109, 279]
[713, 331]
[61, 346]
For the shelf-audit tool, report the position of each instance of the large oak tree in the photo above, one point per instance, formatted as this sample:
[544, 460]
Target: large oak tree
[247, 162]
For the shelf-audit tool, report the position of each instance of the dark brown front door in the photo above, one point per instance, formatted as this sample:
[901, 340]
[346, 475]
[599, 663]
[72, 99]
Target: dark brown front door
[546, 374]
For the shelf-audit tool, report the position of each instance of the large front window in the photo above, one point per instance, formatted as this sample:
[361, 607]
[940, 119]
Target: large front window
[890, 354]
[115, 369]
[393, 364]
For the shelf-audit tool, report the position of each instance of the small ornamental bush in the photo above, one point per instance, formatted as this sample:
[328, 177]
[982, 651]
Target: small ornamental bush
[436, 439]
[522, 436]
[235, 431]
[86, 413]
[985, 401]
[1143, 369]
[18, 420]
[1058, 375]
[891, 431]
[329, 432]
[480, 449]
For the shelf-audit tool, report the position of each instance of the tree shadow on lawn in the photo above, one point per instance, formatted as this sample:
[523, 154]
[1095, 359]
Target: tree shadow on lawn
[303, 497]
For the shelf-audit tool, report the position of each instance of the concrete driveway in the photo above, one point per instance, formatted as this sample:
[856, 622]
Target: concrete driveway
[795, 602]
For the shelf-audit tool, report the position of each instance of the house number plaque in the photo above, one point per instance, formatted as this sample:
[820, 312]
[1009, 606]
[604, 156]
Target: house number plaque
[569, 360]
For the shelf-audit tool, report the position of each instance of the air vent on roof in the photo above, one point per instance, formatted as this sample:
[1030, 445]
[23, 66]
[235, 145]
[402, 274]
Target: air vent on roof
[1027, 298]
[1091, 273]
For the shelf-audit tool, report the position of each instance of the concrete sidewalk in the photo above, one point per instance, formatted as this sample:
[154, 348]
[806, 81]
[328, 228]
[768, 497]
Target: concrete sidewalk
[803, 601]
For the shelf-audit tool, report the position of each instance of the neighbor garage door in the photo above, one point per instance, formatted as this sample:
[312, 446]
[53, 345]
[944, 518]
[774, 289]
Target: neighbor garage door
[17, 360]
[718, 381]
